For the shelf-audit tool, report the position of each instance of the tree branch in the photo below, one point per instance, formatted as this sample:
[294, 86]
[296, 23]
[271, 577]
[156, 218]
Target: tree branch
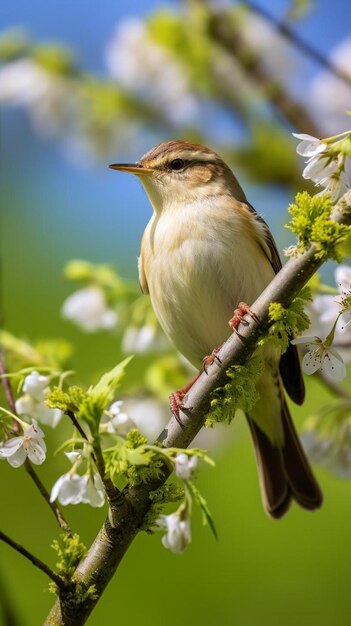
[29, 468]
[33, 559]
[299, 43]
[227, 34]
[119, 530]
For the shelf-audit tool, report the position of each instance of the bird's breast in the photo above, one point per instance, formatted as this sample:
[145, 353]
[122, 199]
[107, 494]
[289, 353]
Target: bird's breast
[198, 265]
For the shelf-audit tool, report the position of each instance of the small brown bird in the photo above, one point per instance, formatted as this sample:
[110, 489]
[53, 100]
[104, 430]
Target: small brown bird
[205, 250]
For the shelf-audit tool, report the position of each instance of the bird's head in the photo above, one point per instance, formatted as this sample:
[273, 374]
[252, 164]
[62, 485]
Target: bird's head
[175, 173]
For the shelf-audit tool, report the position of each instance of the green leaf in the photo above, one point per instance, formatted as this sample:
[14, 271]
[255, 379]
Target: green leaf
[206, 514]
[109, 382]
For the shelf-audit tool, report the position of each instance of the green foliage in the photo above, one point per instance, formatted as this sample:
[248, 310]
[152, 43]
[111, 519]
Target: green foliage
[55, 353]
[70, 550]
[66, 401]
[312, 224]
[171, 492]
[13, 43]
[278, 164]
[132, 458]
[207, 518]
[239, 392]
[284, 323]
[90, 405]
[343, 146]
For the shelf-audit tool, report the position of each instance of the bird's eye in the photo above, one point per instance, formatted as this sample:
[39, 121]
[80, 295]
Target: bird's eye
[177, 164]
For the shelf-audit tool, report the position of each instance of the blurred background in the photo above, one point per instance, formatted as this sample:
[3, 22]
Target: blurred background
[82, 86]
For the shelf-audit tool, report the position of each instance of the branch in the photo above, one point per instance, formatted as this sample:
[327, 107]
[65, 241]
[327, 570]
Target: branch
[119, 530]
[29, 468]
[113, 494]
[44, 492]
[225, 32]
[33, 559]
[299, 43]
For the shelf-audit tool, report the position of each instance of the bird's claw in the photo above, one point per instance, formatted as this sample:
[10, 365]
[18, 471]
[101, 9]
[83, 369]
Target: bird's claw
[211, 358]
[176, 404]
[238, 316]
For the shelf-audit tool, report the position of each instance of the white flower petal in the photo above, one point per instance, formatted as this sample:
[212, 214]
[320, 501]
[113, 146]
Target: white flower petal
[35, 384]
[26, 405]
[185, 465]
[333, 365]
[10, 447]
[309, 146]
[312, 361]
[36, 450]
[304, 340]
[18, 458]
[178, 532]
[94, 493]
[68, 489]
[343, 278]
[88, 309]
[48, 416]
[73, 456]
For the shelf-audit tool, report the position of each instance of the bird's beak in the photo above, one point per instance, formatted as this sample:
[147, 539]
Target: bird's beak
[132, 168]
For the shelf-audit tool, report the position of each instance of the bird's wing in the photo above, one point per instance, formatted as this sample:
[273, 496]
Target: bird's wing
[289, 366]
[142, 278]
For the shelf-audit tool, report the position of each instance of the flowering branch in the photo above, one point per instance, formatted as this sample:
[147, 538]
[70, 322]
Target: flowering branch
[119, 530]
[29, 468]
[224, 31]
[53, 506]
[300, 43]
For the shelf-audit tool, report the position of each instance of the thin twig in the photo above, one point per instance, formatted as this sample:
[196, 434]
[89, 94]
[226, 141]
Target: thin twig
[77, 425]
[8, 392]
[299, 43]
[113, 493]
[28, 466]
[228, 36]
[33, 559]
[53, 506]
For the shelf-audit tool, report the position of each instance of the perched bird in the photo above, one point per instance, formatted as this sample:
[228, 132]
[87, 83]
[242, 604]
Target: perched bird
[205, 250]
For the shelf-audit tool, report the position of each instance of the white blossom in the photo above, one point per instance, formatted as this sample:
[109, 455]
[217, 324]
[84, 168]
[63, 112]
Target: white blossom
[31, 444]
[336, 185]
[145, 67]
[88, 309]
[321, 356]
[119, 423]
[325, 309]
[147, 338]
[324, 169]
[185, 465]
[32, 404]
[68, 489]
[309, 146]
[320, 169]
[71, 488]
[93, 491]
[178, 531]
[150, 415]
[35, 384]
[49, 98]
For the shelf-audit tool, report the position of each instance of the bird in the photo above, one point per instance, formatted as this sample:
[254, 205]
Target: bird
[204, 251]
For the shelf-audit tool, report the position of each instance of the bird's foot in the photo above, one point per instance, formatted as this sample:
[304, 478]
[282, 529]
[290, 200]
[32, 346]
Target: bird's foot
[211, 358]
[238, 317]
[176, 399]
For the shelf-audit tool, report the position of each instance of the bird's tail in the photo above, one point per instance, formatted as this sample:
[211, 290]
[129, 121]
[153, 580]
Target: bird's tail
[284, 470]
